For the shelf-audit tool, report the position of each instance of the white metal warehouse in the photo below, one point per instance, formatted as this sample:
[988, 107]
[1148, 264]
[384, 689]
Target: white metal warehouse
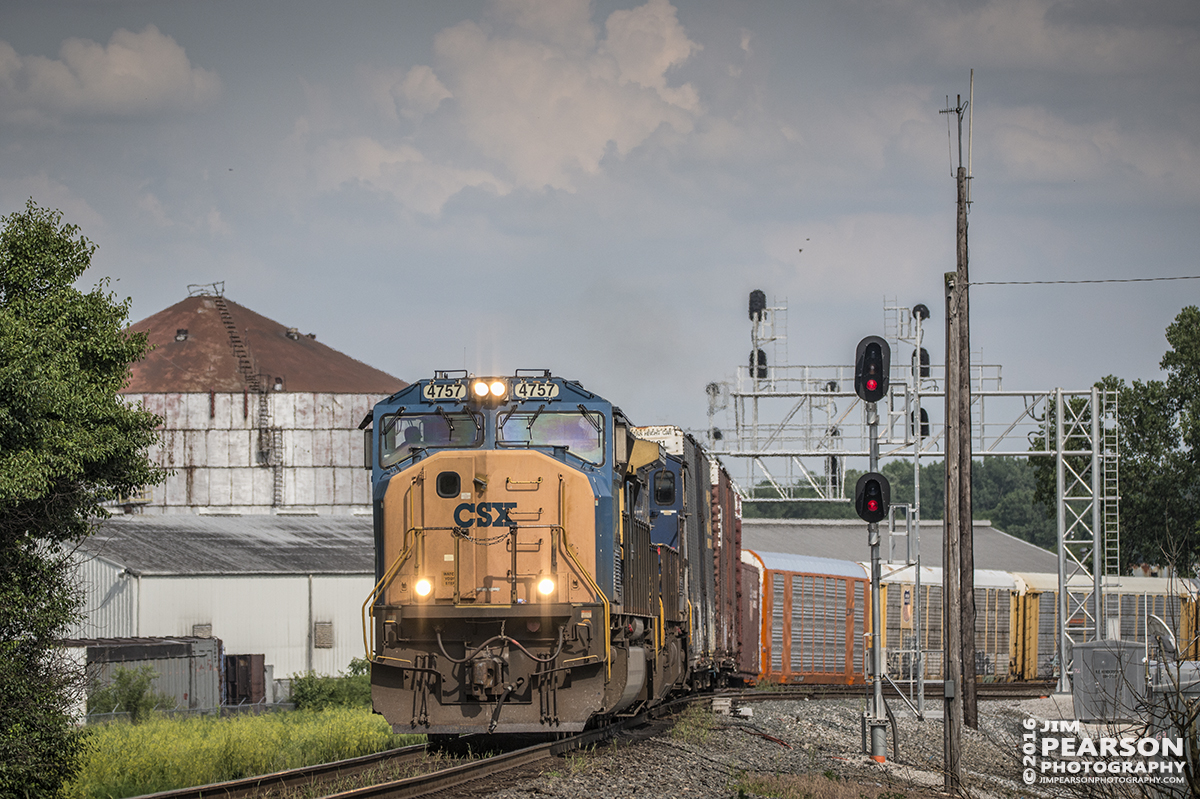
[290, 588]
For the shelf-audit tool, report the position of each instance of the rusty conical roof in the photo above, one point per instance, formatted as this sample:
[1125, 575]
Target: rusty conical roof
[198, 345]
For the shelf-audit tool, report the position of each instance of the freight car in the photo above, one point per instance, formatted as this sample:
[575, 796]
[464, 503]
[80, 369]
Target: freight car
[540, 565]
[813, 619]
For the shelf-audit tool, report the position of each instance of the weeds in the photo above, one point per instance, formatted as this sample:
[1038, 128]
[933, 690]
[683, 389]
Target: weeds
[163, 754]
[351, 689]
[580, 761]
[695, 724]
[129, 692]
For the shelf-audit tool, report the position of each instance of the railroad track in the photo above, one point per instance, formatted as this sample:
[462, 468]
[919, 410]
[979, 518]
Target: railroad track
[483, 768]
[995, 690]
[419, 785]
[308, 775]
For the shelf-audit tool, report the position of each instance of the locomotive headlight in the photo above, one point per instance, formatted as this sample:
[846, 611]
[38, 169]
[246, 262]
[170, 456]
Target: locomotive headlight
[423, 587]
[480, 388]
[545, 586]
[498, 388]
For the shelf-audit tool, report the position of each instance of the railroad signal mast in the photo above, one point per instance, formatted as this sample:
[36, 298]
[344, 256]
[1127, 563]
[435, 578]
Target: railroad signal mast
[872, 498]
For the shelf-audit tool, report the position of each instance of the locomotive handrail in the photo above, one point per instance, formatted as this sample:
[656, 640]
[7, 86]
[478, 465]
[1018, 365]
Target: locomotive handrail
[386, 579]
[587, 576]
[661, 633]
[377, 590]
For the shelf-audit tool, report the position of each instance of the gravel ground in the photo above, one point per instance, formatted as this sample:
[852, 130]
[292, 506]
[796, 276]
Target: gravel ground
[817, 737]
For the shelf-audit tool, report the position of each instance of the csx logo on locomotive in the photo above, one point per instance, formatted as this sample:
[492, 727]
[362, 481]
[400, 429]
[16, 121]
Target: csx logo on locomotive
[483, 514]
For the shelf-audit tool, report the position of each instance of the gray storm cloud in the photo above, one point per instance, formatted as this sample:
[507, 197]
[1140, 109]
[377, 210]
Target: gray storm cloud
[536, 98]
[135, 74]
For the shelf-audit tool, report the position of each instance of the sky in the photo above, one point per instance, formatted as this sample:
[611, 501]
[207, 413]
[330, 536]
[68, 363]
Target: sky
[595, 188]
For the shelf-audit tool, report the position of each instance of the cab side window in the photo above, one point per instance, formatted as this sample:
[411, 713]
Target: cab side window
[664, 487]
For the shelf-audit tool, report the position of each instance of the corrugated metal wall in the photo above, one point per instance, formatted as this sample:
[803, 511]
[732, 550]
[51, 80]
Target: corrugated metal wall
[212, 442]
[266, 614]
[109, 599]
[193, 678]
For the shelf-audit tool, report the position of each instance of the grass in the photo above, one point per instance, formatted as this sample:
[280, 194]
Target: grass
[162, 754]
[695, 724]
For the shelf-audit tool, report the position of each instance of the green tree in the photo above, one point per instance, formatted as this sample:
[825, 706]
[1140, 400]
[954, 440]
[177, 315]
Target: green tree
[1003, 491]
[1159, 435]
[352, 689]
[68, 445]
[1160, 456]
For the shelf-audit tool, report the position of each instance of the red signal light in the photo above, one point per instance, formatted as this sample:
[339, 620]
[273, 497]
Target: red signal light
[872, 384]
[872, 505]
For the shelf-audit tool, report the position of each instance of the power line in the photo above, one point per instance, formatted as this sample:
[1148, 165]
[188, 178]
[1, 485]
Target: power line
[1072, 282]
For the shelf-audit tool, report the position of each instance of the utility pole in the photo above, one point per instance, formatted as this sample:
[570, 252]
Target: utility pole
[966, 525]
[966, 532]
[958, 563]
[952, 715]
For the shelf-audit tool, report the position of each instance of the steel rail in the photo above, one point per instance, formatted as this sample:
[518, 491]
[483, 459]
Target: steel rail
[249, 786]
[426, 784]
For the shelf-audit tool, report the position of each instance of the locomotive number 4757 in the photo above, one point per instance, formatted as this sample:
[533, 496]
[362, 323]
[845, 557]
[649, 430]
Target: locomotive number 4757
[535, 389]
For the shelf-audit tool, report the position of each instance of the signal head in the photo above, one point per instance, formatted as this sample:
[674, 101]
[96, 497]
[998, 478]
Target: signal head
[872, 365]
[872, 497]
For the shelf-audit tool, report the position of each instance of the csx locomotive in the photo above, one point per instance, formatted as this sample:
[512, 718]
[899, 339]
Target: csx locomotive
[540, 563]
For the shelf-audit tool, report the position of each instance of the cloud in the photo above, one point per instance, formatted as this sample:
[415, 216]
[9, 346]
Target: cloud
[546, 114]
[533, 100]
[1035, 146]
[394, 92]
[401, 171]
[136, 74]
[421, 92]
[1065, 36]
[50, 193]
[647, 42]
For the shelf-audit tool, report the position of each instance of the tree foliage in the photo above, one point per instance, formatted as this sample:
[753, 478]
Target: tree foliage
[1159, 445]
[352, 689]
[1160, 456]
[68, 445]
[1002, 491]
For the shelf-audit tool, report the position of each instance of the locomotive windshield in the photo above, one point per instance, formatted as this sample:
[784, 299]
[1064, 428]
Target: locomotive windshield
[581, 432]
[402, 434]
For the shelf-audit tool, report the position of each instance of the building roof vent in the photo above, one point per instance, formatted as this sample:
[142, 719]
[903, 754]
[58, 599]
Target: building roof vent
[293, 333]
[181, 334]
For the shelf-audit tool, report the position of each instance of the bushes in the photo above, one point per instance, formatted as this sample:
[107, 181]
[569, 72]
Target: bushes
[130, 693]
[351, 689]
[164, 754]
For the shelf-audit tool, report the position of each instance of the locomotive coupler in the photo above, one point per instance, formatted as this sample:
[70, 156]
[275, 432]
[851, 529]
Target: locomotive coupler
[487, 676]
